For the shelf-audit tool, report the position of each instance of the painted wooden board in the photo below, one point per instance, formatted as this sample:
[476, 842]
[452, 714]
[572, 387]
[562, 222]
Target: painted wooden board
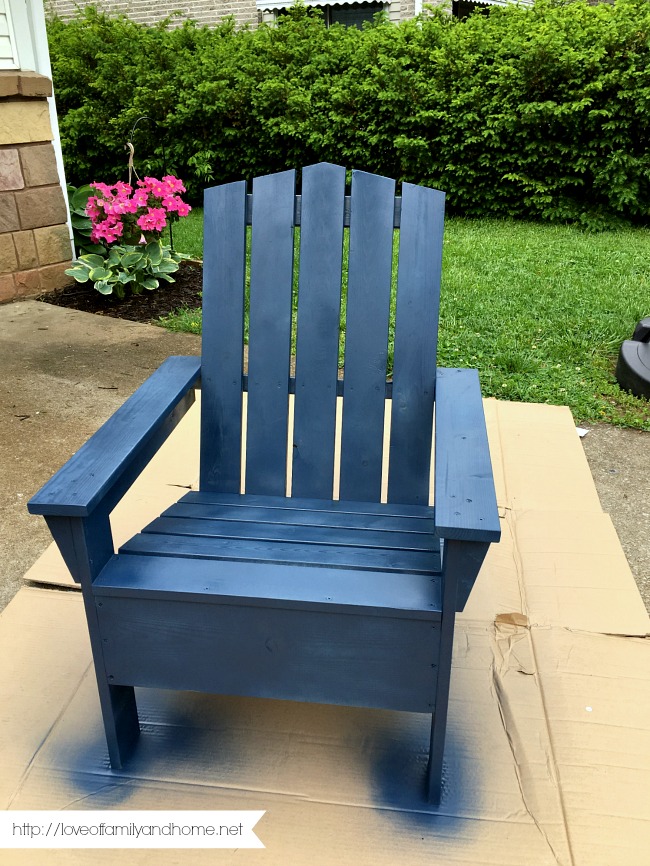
[317, 341]
[415, 347]
[366, 335]
[375, 593]
[348, 659]
[106, 465]
[465, 500]
[224, 272]
[397, 211]
[303, 517]
[340, 386]
[203, 547]
[270, 333]
[252, 500]
[301, 534]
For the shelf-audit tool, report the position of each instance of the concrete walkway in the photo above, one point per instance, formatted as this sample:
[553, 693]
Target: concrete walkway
[65, 372]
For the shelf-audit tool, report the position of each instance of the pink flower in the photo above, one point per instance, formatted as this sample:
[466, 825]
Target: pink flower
[140, 197]
[109, 211]
[154, 220]
[155, 187]
[103, 188]
[119, 206]
[109, 230]
[174, 204]
[115, 207]
[122, 189]
[170, 203]
[173, 183]
[93, 210]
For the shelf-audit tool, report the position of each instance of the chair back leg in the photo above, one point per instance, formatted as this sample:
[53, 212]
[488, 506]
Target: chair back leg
[451, 568]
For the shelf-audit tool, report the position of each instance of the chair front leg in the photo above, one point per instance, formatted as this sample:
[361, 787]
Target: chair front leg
[86, 544]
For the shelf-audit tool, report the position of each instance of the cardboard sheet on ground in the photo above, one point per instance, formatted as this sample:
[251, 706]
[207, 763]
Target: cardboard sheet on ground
[548, 748]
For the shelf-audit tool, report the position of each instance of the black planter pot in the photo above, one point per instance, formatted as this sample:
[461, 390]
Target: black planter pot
[633, 367]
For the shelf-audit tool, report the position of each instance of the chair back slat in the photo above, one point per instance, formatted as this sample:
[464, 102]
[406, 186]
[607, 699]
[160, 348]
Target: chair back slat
[323, 209]
[416, 337]
[271, 288]
[224, 270]
[366, 335]
[317, 342]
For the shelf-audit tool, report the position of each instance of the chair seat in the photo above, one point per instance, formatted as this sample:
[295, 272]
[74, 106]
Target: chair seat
[275, 551]
[272, 597]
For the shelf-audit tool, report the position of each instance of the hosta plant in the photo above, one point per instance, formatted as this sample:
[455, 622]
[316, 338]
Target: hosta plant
[128, 268]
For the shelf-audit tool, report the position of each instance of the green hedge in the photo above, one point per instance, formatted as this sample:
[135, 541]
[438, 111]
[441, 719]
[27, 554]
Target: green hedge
[535, 113]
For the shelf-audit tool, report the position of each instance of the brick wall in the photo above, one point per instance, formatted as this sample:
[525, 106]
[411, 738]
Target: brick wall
[151, 11]
[34, 240]
[204, 11]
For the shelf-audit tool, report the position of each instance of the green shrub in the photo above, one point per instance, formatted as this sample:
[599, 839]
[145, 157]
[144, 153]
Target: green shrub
[538, 112]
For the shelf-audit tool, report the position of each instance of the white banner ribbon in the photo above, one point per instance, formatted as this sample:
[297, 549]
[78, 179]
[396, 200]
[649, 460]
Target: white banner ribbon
[129, 829]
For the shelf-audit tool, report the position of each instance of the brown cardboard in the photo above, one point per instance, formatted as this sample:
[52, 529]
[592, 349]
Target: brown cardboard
[560, 568]
[597, 702]
[345, 779]
[537, 456]
[548, 747]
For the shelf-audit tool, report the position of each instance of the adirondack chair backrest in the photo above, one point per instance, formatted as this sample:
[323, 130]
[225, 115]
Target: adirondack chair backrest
[275, 254]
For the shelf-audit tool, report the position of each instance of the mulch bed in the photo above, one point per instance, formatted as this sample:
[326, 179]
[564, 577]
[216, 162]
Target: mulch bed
[144, 308]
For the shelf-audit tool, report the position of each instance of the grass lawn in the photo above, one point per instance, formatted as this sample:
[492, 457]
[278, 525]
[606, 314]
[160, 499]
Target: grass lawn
[540, 310]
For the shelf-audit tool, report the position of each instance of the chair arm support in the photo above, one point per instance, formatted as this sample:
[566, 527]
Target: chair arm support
[465, 501]
[108, 463]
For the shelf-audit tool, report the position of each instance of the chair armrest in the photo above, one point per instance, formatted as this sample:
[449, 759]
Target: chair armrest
[464, 498]
[108, 463]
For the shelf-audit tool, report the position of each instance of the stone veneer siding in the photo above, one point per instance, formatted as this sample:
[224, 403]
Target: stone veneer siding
[34, 239]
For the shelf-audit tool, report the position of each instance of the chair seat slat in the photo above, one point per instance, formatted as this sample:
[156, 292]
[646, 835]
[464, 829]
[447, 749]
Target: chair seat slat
[270, 585]
[411, 562]
[250, 500]
[303, 517]
[174, 524]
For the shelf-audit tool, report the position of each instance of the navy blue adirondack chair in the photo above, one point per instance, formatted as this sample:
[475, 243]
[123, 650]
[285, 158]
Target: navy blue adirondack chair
[303, 597]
